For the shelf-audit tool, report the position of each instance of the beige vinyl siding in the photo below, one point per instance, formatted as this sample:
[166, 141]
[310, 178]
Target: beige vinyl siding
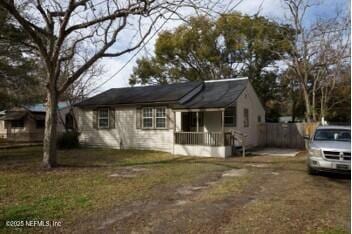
[125, 134]
[212, 121]
[3, 130]
[61, 119]
[249, 99]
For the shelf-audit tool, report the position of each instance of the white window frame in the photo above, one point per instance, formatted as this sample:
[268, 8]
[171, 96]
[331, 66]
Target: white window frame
[100, 117]
[152, 117]
[156, 117]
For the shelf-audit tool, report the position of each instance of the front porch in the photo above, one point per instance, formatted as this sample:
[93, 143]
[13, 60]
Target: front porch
[207, 132]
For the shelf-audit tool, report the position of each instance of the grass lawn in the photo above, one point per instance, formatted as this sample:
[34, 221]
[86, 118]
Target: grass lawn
[142, 191]
[84, 183]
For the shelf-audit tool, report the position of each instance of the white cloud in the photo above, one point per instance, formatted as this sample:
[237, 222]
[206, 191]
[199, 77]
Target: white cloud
[273, 9]
[270, 8]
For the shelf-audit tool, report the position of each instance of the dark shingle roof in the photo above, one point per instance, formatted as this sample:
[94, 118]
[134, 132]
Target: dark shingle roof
[143, 94]
[14, 115]
[196, 94]
[215, 94]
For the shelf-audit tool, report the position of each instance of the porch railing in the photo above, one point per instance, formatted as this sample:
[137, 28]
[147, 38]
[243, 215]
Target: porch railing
[233, 138]
[200, 138]
[236, 138]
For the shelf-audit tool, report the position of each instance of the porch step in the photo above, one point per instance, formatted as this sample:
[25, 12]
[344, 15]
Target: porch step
[237, 151]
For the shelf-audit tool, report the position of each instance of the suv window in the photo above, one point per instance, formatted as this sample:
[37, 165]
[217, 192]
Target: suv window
[332, 135]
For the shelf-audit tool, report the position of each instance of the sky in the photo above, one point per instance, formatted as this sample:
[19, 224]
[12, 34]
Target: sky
[118, 70]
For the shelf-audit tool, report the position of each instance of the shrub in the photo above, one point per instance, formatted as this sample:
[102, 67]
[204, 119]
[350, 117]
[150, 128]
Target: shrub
[68, 140]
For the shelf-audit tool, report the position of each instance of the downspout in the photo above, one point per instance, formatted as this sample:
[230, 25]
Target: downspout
[174, 139]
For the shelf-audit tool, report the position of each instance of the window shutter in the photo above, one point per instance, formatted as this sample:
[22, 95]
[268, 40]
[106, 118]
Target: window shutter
[170, 118]
[95, 119]
[112, 118]
[138, 118]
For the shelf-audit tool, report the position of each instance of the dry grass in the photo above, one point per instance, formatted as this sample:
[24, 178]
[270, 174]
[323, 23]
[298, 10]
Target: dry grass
[83, 183]
[275, 196]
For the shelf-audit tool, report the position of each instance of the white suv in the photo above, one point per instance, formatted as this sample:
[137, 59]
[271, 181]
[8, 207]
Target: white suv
[330, 150]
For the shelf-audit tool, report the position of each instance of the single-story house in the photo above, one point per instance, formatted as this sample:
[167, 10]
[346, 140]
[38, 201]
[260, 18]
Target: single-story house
[200, 118]
[26, 123]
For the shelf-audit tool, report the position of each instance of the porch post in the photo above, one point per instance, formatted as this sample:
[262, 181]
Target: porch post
[222, 121]
[197, 117]
[222, 127]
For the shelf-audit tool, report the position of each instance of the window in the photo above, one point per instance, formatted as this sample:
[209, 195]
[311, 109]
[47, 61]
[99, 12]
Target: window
[230, 117]
[154, 118]
[245, 118]
[147, 117]
[259, 119]
[69, 121]
[103, 118]
[17, 123]
[160, 117]
[40, 123]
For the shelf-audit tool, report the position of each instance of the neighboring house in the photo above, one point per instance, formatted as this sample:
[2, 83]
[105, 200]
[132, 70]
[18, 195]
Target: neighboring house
[26, 123]
[192, 118]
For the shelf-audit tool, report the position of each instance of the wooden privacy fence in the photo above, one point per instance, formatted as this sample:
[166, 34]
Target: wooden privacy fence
[288, 135]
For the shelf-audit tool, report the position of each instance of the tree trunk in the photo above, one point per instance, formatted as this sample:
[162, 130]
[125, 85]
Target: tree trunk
[313, 106]
[322, 105]
[307, 105]
[49, 144]
[293, 111]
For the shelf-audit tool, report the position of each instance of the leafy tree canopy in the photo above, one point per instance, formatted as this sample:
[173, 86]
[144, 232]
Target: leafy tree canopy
[19, 73]
[204, 49]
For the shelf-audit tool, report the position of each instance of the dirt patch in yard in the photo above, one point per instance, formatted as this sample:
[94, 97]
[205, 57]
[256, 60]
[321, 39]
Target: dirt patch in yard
[129, 172]
[249, 200]
[112, 191]
[235, 172]
[193, 208]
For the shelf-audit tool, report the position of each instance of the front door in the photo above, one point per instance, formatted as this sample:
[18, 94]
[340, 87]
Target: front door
[189, 121]
[186, 126]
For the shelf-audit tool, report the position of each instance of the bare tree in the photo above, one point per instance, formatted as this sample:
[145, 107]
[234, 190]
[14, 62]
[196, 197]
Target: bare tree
[319, 50]
[300, 50]
[80, 32]
[332, 59]
[80, 89]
